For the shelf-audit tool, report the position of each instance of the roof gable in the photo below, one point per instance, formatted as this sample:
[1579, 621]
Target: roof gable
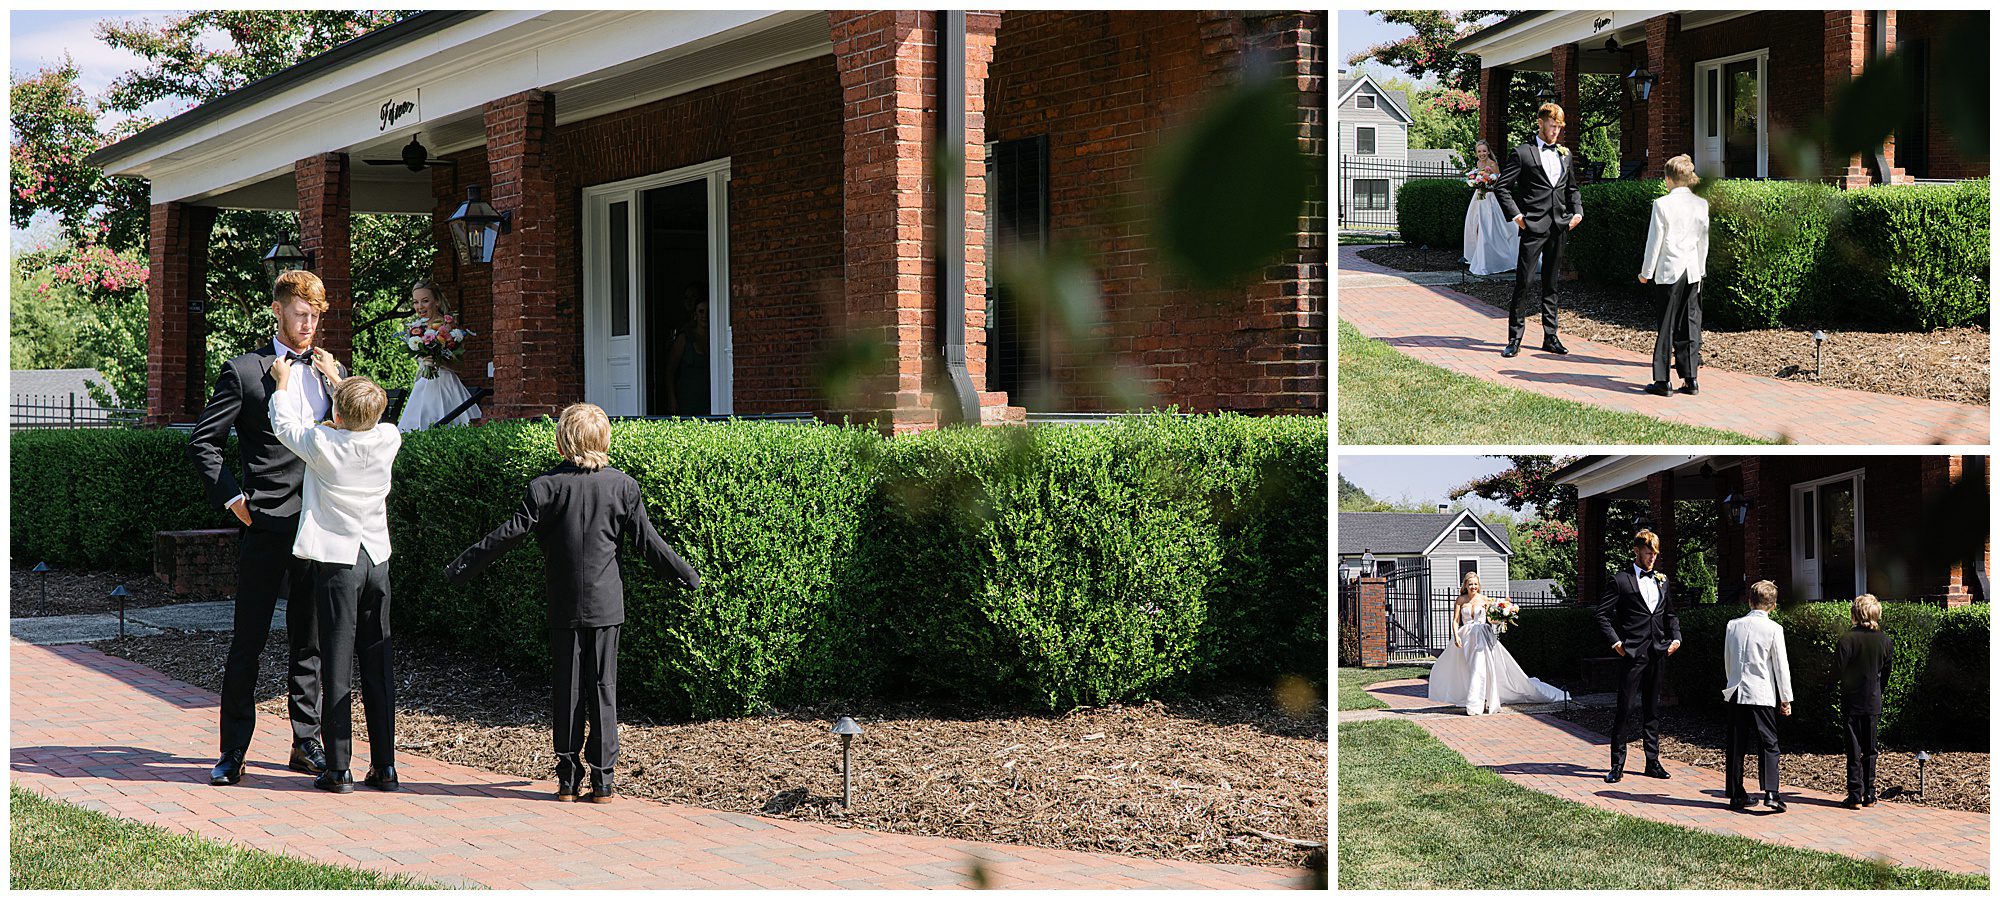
[1393, 101]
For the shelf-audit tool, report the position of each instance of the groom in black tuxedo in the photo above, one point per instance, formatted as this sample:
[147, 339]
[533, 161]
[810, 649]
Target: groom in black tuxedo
[1538, 191]
[267, 503]
[1637, 618]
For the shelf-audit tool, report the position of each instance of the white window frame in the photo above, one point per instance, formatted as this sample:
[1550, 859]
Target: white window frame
[1802, 531]
[1364, 100]
[1374, 142]
[1462, 536]
[1702, 101]
[1388, 193]
[596, 269]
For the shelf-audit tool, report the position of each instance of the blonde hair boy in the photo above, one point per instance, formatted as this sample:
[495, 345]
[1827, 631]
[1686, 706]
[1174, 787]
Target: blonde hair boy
[583, 436]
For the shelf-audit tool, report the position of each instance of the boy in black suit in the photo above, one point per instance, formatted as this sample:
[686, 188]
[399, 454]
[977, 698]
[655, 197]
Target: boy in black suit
[1862, 660]
[579, 512]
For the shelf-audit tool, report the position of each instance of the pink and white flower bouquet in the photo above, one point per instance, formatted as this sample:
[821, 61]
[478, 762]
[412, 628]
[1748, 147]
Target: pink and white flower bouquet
[1480, 181]
[1502, 615]
[435, 339]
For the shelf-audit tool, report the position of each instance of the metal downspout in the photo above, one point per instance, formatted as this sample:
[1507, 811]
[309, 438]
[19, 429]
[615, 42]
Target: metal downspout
[951, 210]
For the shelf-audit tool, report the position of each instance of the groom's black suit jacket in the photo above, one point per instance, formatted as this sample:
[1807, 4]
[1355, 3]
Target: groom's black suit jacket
[272, 475]
[1622, 616]
[1525, 190]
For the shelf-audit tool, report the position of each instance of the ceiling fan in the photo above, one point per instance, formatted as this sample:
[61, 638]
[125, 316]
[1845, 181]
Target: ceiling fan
[415, 158]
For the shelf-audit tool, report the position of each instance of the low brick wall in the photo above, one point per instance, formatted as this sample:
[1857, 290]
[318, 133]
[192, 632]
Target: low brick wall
[200, 563]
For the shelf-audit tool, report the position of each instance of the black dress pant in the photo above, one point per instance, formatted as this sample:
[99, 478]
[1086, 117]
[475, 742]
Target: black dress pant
[1679, 340]
[1861, 754]
[1539, 253]
[1645, 672]
[266, 570]
[1751, 727]
[586, 692]
[353, 606]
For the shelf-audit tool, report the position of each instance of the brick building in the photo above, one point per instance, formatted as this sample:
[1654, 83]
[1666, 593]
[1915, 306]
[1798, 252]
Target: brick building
[776, 166]
[1719, 85]
[1822, 527]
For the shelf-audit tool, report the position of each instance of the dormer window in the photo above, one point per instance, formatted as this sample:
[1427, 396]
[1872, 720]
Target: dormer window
[1364, 101]
[1467, 535]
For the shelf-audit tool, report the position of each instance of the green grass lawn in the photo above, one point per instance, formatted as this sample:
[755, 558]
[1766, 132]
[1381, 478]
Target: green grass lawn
[1389, 398]
[1352, 680]
[1387, 237]
[1415, 815]
[56, 846]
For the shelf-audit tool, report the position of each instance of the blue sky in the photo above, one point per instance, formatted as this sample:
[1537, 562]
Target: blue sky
[1421, 479]
[1357, 31]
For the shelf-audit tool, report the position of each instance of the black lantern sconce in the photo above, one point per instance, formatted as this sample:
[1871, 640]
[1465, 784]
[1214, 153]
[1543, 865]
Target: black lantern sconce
[285, 256]
[476, 227]
[1642, 82]
[1738, 507]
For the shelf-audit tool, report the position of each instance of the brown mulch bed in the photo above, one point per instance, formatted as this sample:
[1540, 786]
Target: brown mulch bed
[1951, 364]
[1952, 779]
[1224, 778]
[76, 592]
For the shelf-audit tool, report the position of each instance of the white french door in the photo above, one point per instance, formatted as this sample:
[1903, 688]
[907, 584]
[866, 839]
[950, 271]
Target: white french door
[1731, 130]
[626, 285]
[1829, 554]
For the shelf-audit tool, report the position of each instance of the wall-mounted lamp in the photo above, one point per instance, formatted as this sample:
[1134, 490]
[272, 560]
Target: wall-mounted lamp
[476, 227]
[285, 256]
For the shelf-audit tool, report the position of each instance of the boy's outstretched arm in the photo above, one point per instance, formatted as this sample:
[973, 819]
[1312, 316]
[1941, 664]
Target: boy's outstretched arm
[656, 550]
[495, 544]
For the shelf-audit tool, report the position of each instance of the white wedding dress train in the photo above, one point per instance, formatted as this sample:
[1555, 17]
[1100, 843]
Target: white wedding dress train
[430, 398]
[1492, 244]
[1479, 674]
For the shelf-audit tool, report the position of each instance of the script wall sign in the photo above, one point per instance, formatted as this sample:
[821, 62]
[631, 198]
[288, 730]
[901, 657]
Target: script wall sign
[401, 110]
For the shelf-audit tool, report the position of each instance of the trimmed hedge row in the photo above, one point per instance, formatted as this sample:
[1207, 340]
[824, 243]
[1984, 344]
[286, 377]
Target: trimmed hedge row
[1936, 691]
[1781, 253]
[1054, 566]
[95, 496]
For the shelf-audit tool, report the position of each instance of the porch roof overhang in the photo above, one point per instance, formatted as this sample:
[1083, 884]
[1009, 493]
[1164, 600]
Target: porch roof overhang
[1624, 477]
[1522, 41]
[239, 151]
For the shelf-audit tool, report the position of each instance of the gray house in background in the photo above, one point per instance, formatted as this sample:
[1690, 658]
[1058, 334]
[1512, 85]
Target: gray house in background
[1446, 545]
[1372, 145]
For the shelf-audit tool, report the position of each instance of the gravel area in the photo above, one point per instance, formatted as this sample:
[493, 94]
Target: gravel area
[1227, 778]
[1951, 364]
[1952, 780]
[75, 592]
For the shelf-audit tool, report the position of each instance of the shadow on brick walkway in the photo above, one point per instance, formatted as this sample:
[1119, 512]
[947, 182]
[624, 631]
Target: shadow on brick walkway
[114, 736]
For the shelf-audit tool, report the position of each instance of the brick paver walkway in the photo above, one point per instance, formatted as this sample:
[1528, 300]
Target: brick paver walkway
[114, 736]
[1556, 757]
[1442, 327]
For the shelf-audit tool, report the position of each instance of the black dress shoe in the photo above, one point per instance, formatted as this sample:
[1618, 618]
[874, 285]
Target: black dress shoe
[1655, 770]
[1659, 389]
[307, 757]
[601, 788]
[228, 769]
[1868, 799]
[569, 777]
[1614, 776]
[1740, 803]
[1513, 350]
[1551, 345]
[339, 781]
[1775, 802]
[1690, 388]
[383, 779]
[1851, 802]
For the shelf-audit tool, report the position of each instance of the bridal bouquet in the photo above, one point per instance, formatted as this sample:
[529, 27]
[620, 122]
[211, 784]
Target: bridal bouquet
[1480, 181]
[1502, 615]
[435, 339]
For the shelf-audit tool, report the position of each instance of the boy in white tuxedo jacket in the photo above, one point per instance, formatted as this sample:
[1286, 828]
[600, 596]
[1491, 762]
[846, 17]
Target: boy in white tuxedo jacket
[1758, 690]
[1676, 259]
[344, 532]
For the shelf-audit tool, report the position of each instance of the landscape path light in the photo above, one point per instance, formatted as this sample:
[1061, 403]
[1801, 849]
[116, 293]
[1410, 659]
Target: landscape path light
[847, 731]
[42, 569]
[120, 593]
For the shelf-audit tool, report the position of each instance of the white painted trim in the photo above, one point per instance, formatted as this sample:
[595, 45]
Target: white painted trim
[1502, 545]
[1798, 491]
[1702, 101]
[1380, 91]
[1617, 472]
[1537, 38]
[1374, 141]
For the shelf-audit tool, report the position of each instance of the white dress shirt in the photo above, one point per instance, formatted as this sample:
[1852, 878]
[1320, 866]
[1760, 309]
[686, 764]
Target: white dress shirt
[1552, 164]
[1677, 239]
[1753, 659]
[322, 405]
[1649, 590]
[344, 505]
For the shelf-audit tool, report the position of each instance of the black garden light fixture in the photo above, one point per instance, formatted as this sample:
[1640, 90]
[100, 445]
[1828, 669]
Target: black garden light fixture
[1367, 563]
[1642, 81]
[1819, 352]
[120, 593]
[42, 569]
[847, 730]
[285, 256]
[1923, 759]
[476, 227]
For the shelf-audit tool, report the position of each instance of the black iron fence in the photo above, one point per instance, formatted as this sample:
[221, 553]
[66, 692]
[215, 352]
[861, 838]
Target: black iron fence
[1368, 187]
[69, 411]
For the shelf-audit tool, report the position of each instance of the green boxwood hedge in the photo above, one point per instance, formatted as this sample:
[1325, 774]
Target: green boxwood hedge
[1055, 566]
[1431, 212]
[1937, 690]
[1915, 255]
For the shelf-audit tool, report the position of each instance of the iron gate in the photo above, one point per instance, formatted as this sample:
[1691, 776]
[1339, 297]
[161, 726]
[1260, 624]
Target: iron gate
[1369, 184]
[1411, 623]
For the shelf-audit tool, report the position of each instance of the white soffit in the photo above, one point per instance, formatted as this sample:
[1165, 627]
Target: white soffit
[1534, 39]
[1614, 473]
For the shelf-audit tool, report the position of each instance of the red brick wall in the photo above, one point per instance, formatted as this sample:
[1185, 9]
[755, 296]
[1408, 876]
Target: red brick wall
[1899, 505]
[468, 290]
[200, 563]
[1371, 620]
[325, 232]
[1947, 159]
[176, 337]
[1103, 87]
[538, 350]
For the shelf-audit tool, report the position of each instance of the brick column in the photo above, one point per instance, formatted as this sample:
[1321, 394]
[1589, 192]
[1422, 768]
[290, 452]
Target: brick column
[1372, 621]
[1729, 537]
[1567, 66]
[1669, 126]
[1660, 494]
[176, 318]
[888, 69]
[1590, 548]
[468, 290]
[1494, 87]
[532, 375]
[1942, 578]
[324, 232]
[1766, 549]
[1846, 46]
[981, 33]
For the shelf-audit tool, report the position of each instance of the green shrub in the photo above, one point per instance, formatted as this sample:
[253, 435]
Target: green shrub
[1431, 212]
[94, 497]
[1914, 256]
[1606, 248]
[1550, 640]
[1767, 263]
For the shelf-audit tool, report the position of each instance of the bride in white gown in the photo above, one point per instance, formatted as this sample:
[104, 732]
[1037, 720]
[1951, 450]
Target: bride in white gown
[437, 389]
[1492, 244]
[1476, 672]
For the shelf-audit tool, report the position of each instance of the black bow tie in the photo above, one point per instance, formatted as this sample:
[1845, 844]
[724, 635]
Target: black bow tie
[1646, 574]
[300, 357]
